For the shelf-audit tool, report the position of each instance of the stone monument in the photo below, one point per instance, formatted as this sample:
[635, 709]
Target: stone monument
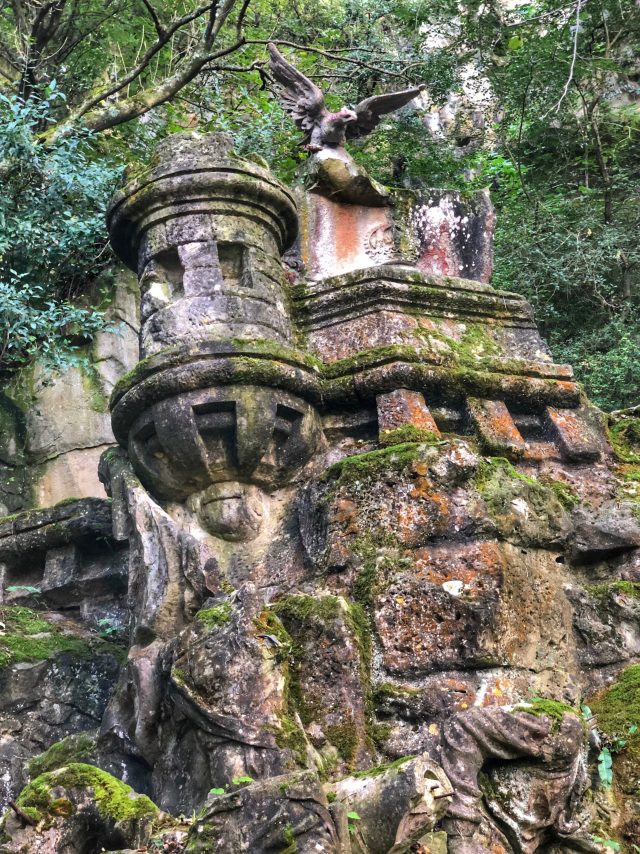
[360, 507]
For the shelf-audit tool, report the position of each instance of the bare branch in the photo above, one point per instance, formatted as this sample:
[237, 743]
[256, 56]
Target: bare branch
[565, 91]
[241, 17]
[154, 17]
[359, 62]
[142, 102]
[135, 72]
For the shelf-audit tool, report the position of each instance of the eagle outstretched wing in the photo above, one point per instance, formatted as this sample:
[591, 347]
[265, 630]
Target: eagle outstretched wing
[298, 95]
[370, 110]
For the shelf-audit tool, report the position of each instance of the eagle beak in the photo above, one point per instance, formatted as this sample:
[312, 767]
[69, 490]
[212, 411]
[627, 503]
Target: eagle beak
[349, 115]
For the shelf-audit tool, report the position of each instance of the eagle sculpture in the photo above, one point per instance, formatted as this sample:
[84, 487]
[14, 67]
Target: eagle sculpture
[304, 101]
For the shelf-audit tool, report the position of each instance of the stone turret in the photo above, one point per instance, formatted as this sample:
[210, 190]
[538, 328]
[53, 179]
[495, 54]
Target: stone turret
[207, 414]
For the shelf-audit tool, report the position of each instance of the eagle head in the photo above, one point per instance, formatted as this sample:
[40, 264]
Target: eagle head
[333, 127]
[345, 116]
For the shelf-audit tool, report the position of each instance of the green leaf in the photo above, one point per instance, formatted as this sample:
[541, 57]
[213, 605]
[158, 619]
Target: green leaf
[217, 791]
[605, 768]
[238, 781]
[353, 816]
[607, 843]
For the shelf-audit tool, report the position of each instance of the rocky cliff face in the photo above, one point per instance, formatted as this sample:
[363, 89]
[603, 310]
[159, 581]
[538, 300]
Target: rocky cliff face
[367, 551]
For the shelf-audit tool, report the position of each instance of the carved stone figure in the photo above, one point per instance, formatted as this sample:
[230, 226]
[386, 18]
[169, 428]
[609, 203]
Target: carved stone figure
[358, 519]
[304, 102]
[332, 169]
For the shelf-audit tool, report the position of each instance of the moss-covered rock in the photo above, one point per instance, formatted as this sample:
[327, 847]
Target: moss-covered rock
[525, 510]
[215, 617]
[624, 436]
[372, 464]
[542, 707]
[72, 749]
[29, 636]
[113, 798]
[617, 709]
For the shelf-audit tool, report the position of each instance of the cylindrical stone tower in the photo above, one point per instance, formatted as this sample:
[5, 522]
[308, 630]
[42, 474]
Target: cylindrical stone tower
[220, 407]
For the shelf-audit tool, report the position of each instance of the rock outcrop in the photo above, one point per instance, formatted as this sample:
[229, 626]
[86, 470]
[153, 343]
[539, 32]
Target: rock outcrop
[367, 546]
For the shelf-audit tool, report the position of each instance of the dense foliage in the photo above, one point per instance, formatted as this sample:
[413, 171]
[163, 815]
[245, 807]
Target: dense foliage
[556, 87]
[52, 236]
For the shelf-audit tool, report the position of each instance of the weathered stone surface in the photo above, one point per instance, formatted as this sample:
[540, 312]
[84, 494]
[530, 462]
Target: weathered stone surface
[443, 234]
[55, 680]
[290, 810]
[401, 408]
[611, 530]
[496, 428]
[543, 802]
[329, 570]
[578, 439]
[453, 235]
[75, 807]
[396, 806]
[40, 530]
[334, 174]
[207, 268]
[66, 418]
[14, 486]
[329, 675]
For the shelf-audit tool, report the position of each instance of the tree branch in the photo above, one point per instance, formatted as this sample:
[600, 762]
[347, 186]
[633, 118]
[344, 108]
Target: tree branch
[241, 17]
[565, 91]
[135, 72]
[359, 62]
[154, 17]
[142, 102]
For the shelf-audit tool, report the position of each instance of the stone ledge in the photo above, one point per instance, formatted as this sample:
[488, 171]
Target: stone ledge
[50, 527]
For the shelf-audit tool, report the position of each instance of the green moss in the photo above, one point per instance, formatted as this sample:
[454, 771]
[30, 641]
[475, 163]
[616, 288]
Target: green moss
[268, 623]
[624, 436]
[300, 612]
[66, 501]
[379, 733]
[178, 674]
[344, 737]
[554, 709]
[409, 433]
[308, 608]
[114, 799]
[387, 691]
[289, 838]
[73, 748]
[360, 627]
[378, 770]
[377, 550]
[331, 796]
[474, 345]
[272, 348]
[92, 385]
[629, 473]
[288, 735]
[566, 494]
[618, 707]
[491, 468]
[498, 482]
[373, 356]
[214, 618]
[29, 637]
[604, 591]
[372, 464]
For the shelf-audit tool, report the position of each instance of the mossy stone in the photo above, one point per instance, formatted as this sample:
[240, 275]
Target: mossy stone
[29, 637]
[114, 799]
